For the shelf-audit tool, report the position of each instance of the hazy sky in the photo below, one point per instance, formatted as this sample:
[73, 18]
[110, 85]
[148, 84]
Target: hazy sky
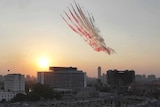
[31, 29]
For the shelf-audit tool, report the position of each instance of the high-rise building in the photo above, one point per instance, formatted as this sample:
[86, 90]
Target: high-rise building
[14, 83]
[99, 72]
[120, 78]
[63, 77]
[104, 78]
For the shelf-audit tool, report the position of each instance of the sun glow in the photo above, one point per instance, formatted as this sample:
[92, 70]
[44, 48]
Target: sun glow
[43, 62]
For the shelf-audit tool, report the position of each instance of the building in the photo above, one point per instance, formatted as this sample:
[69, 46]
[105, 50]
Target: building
[104, 78]
[117, 78]
[14, 83]
[145, 78]
[148, 89]
[151, 78]
[1, 78]
[99, 72]
[6, 96]
[63, 78]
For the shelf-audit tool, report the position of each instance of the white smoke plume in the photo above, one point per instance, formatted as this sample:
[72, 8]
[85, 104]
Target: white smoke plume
[83, 24]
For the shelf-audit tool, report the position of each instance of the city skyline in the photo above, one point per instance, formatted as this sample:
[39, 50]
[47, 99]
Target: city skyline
[31, 30]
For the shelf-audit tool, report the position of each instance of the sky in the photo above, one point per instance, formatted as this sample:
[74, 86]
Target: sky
[33, 29]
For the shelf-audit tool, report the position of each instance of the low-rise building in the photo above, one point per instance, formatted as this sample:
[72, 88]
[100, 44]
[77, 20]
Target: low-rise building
[6, 96]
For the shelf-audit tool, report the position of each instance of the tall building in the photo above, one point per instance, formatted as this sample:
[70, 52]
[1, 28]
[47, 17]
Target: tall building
[14, 83]
[117, 78]
[99, 72]
[63, 77]
[104, 78]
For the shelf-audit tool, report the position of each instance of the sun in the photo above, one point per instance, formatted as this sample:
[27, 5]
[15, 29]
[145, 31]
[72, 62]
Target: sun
[43, 62]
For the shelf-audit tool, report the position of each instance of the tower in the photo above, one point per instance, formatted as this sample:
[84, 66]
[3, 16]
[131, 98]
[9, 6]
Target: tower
[99, 72]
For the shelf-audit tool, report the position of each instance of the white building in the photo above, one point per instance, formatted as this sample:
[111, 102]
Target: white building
[7, 96]
[14, 83]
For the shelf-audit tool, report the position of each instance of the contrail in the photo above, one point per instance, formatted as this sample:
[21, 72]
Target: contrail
[83, 24]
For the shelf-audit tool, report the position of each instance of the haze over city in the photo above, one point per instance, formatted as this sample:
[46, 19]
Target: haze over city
[32, 30]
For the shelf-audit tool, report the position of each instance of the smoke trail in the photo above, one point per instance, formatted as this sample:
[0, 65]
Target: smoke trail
[84, 25]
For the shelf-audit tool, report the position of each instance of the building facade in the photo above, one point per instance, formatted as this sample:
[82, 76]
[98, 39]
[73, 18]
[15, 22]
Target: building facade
[6, 96]
[99, 72]
[117, 78]
[14, 83]
[63, 77]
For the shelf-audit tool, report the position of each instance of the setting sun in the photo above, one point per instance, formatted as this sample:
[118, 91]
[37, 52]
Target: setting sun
[43, 62]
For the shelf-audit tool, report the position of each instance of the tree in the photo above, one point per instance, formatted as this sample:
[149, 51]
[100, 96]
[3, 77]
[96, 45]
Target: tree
[19, 97]
[33, 97]
[43, 91]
